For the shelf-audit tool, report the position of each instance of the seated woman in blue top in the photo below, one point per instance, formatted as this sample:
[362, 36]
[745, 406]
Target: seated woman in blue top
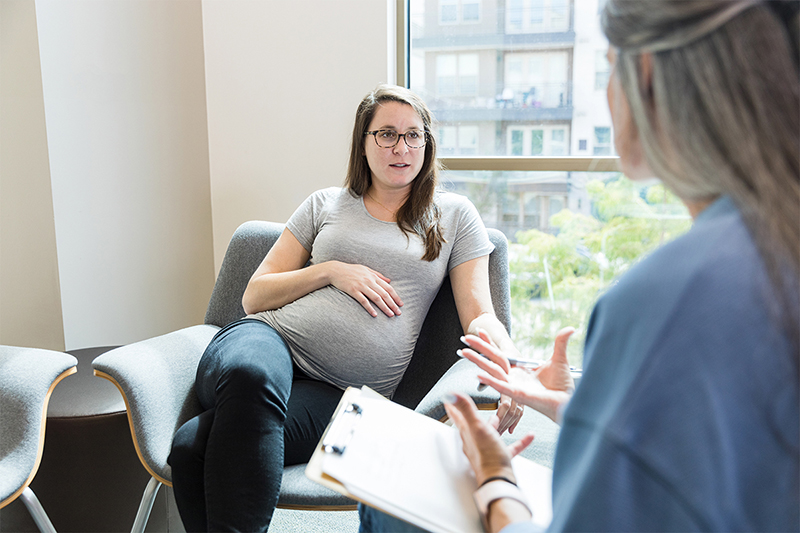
[687, 415]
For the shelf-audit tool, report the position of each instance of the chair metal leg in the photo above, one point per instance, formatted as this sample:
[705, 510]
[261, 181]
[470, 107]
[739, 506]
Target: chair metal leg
[37, 511]
[146, 505]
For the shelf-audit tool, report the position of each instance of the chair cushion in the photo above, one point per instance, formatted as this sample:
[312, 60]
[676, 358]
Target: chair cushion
[299, 492]
[26, 377]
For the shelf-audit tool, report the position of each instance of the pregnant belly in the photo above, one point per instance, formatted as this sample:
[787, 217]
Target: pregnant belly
[335, 338]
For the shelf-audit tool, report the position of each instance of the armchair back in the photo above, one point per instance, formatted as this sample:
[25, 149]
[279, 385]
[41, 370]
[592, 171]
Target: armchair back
[436, 347]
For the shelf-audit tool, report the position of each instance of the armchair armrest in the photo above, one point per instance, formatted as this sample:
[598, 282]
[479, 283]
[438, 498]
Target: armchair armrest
[461, 377]
[156, 378]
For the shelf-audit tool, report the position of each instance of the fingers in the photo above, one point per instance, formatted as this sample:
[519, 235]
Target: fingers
[509, 413]
[369, 288]
[385, 302]
[483, 363]
[517, 446]
[465, 408]
[562, 339]
[500, 385]
[485, 347]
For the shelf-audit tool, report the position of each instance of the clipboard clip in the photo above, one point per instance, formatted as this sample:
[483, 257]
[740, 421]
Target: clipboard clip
[341, 431]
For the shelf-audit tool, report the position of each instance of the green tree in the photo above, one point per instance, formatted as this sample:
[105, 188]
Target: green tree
[556, 279]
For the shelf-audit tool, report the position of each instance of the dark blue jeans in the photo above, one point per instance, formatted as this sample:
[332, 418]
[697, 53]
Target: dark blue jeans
[374, 521]
[262, 412]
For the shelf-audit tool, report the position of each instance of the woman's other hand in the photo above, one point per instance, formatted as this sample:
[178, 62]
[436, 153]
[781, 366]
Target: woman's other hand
[366, 286]
[544, 389]
[488, 455]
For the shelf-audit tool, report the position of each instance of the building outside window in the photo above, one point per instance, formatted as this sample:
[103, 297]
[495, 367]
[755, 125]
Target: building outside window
[459, 11]
[525, 16]
[457, 74]
[602, 70]
[518, 90]
[602, 140]
[458, 140]
[538, 140]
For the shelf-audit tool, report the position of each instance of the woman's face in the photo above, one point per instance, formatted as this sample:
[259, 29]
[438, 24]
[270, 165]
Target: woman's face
[626, 135]
[394, 168]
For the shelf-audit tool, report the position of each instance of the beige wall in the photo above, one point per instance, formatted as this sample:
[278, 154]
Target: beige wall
[30, 300]
[157, 127]
[275, 70]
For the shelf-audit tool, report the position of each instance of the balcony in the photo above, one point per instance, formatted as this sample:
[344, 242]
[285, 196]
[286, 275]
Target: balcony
[495, 41]
[514, 103]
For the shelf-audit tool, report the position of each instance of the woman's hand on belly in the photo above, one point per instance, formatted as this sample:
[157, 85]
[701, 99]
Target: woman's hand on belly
[366, 286]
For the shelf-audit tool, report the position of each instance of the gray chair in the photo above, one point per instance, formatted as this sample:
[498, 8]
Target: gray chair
[27, 379]
[156, 376]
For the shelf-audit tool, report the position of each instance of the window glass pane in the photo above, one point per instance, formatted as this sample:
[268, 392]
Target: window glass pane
[602, 70]
[470, 11]
[559, 10]
[467, 140]
[602, 141]
[537, 12]
[448, 11]
[537, 142]
[521, 64]
[448, 139]
[446, 66]
[571, 234]
[516, 142]
[468, 73]
[514, 15]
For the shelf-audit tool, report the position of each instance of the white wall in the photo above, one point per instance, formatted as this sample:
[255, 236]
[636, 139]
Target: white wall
[154, 128]
[124, 101]
[276, 69]
[30, 300]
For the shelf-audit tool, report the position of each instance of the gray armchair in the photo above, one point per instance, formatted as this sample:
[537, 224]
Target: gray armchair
[156, 376]
[27, 379]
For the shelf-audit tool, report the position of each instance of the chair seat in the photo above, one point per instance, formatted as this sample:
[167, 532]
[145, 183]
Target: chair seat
[300, 493]
[27, 378]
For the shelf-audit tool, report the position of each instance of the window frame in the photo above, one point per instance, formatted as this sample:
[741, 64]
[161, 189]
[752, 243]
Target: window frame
[490, 163]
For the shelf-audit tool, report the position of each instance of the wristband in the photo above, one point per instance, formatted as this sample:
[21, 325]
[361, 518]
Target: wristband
[494, 490]
[497, 478]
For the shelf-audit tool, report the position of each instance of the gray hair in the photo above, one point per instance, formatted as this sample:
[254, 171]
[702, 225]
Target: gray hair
[722, 114]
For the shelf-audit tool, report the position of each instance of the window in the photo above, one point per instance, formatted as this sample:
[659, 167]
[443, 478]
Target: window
[448, 11]
[458, 140]
[538, 79]
[524, 131]
[602, 141]
[470, 11]
[537, 140]
[535, 16]
[602, 70]
[457, 74]
[459, 11]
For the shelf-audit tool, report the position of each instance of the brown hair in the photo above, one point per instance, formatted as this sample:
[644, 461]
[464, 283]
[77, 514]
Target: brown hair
[419, 215]
[722, 115]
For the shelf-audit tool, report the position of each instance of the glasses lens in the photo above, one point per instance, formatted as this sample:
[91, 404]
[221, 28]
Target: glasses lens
[386, 138]
[415, 138]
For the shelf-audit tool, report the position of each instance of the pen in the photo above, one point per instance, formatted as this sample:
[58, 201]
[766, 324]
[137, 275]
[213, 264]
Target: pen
[520, 363]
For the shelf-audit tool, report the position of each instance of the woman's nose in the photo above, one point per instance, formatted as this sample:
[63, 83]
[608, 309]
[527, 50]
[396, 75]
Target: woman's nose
[401, 147]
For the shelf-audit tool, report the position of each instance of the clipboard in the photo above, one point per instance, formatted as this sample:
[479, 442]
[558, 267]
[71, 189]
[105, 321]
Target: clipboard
[410, 466]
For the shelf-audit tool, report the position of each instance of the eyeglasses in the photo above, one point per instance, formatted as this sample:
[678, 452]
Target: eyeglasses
[390, 138]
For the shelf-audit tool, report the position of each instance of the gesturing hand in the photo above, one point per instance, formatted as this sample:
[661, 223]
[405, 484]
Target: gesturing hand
[487, 453]
[365, 285]
[543, 389]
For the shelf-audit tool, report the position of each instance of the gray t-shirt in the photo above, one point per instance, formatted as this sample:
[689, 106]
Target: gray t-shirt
[331, 336]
